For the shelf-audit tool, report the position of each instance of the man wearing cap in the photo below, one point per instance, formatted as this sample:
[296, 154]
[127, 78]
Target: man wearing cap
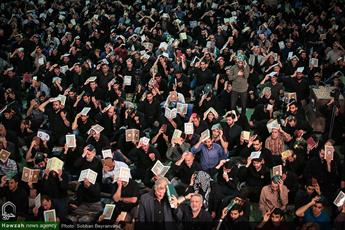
[274, 195]
[88, 160]
[239, 74]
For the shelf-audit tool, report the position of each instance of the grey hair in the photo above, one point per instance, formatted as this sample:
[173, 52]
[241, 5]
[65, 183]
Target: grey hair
[198, 195]
[160, 181]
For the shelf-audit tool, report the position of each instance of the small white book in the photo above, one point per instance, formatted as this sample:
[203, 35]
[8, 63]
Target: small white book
[281, 45]
[272, 125]
[182, 108]
[38, 201]
[159, 169]
[188, 128]
[340, 199]
[107, 153]
[88, 174]
[205, 135]
[63, 69]
[255, 155]
[85, 111]
[132, 135]
[49, 215]
[193, 24]
[41, 61]
[177, 134]
[55, 164]
[277, 170]
[122, 174]
[4, 155]
[329, 152]
[43, 135]
[71, 142]
[183, 36]
[170, 113]
[90, 79]
[127, 80]
[245, 135]
[300, 69]
[272, 74]
[251, 60]
[144, 140]
[108, 211]
[62, 99]
[214, 6]
[314, 62]
[269, 107]
[290, 55]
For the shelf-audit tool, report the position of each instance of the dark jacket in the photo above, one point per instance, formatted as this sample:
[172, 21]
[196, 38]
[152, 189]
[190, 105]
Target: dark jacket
[146, 213]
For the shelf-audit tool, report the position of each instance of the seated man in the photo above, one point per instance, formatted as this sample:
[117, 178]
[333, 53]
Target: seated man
[227, 180]
[88, 204]
[46, 204]
[183, 171]
[108, 174]
[126, 199]
[88, 160]
[274, 195]
[255, 175]
[211, 154]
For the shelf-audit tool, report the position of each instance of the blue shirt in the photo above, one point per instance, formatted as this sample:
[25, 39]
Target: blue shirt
[323, 219]
[209, 157]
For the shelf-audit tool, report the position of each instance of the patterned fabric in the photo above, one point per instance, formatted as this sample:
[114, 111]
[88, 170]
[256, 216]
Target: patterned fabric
[202, 185]
[276, 146]
[9, 168]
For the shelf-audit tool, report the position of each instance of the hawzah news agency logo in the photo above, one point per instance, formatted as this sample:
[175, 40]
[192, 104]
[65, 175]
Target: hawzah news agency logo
[8, 210]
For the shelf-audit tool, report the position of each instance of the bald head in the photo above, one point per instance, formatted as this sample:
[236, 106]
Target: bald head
[188, 158]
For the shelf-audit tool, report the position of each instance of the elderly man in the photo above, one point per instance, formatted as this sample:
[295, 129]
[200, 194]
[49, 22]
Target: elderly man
[274, 195]
[193, 216]
[211, 154]
[89, 161]
[183, 169]
[154, 208]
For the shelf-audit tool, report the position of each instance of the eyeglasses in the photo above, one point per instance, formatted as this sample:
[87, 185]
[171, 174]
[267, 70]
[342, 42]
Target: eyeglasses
[318, 206]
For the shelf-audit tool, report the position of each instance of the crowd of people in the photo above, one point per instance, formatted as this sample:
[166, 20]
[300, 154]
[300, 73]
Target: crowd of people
[220, 91]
